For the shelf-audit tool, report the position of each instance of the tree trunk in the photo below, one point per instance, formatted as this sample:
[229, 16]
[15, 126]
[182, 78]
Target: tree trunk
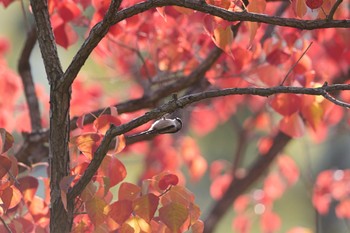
[61, 220]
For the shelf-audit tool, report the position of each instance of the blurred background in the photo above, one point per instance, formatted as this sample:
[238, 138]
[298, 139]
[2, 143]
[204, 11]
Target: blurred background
[295, 207]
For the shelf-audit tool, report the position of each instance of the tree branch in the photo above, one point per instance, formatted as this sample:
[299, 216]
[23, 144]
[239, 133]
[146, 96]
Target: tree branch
[333, 10]
[150, 100]
[238, 186]
[100, 30]
[24, 70]
[46, 40]
[97, 33]
[181, 103]
[231, 16]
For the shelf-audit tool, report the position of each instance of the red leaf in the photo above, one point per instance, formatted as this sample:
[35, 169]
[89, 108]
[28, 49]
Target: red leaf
[114, 169]
[219, 186]
[6, 3]
[6, 141]
[286, 104]
[277, 57]
[292, 125]
[65, 35]
[274, 186]
[288, 169]
[270, 222]
[173, 216]
[241, 203]
[242, 224]
[120, 211]
[145, 206]
[314, 4]
[68, 11]
[343, 209]
[167, 180]
[128, 191]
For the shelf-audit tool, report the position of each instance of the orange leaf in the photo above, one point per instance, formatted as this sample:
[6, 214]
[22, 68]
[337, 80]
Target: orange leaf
[87, 143]
[145, 206]
[95, 208]
[178, 194]
[299, 8]
[102, 123]
[292, 125]
[135, 224]
[128, 191]
[120, 211]
[223, 38]
[173, 215]
[286, 104]
[10, 197]
[120, 144]
[28, 185]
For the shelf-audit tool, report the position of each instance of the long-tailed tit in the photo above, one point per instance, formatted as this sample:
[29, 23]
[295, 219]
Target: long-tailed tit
[163, 126]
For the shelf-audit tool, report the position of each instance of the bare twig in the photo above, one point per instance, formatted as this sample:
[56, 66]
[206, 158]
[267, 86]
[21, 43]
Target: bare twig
[296, 63]
[97, 33]
[24, 70]
[333, 10]
[5, 225]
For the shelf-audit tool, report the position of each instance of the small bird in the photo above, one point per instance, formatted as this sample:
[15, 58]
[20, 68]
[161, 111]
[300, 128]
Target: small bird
[163, 126]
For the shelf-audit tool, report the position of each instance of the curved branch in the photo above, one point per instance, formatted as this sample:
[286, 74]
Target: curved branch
[181, 103]
[101, 29]
[24, 70]
[334, 8]
[97, 33]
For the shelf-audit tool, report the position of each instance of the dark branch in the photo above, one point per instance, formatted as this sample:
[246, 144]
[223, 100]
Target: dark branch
[150, 100]
[334, 8]
[97, 33]
[181, 103]
[239, 186]
[100, 30]
[24, 70]
[46, 40]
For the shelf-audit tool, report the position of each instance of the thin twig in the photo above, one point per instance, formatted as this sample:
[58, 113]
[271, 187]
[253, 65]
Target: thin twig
[24, 70]
[296, 63]
[5, 225]
[333, 10]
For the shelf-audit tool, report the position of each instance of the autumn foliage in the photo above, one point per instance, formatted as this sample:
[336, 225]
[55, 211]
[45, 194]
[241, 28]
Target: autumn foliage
[154, 51]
